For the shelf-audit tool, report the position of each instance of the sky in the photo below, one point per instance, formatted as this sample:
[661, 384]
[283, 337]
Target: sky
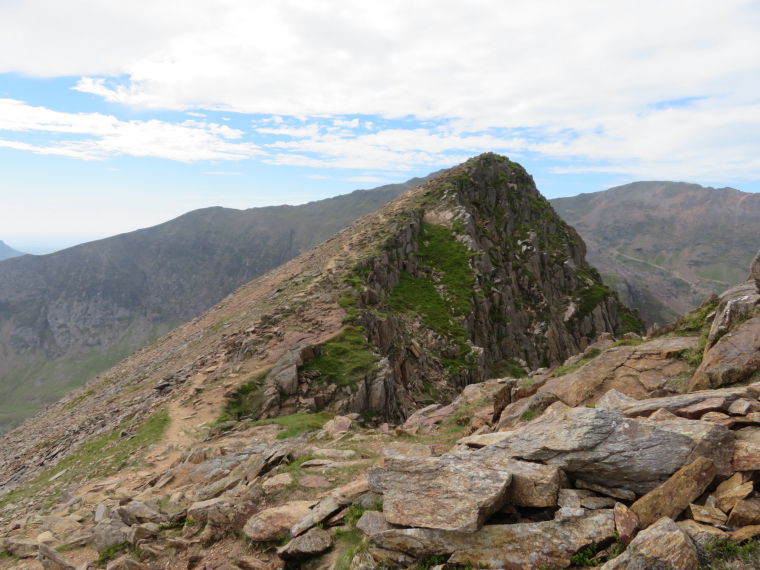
[120, 115]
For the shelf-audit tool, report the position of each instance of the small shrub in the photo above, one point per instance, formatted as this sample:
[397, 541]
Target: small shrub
[111, 552]
[345, 359]
[529, 415]
[584, 557]
[296, 424]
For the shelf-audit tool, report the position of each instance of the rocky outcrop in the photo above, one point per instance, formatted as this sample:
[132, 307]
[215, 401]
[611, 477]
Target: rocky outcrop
[663, 546]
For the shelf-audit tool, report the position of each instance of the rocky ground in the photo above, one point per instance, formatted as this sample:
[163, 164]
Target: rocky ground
[599, 462]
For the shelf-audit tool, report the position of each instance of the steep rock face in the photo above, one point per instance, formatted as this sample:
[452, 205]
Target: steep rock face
[474, 274]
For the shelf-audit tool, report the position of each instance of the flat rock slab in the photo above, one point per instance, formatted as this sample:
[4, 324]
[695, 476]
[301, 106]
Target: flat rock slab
[622, 494]
[663, 546]
[450, 492]
[611, 450]
[275, 523]
[672, 497]
[313, 481]
[533, 484]
[373, 522]
[696, 411]
[672, 404]
[516, 546]
[746, 512]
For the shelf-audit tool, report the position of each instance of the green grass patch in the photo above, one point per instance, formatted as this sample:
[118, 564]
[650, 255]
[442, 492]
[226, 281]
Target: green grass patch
[528, 415]
[247, 399]
[110, 553]
[724, 555]
[590, 297]
[296, 424]
[560, 370]
[345, 359]
[97, 458]
[507, 367]
[351, 542]
[583, 557]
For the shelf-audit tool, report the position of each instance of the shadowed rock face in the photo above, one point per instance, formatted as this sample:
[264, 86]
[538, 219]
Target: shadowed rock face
[665, 246]
[67, 316]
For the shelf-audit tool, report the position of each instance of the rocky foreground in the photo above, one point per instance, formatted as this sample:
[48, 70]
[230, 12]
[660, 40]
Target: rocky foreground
[506, 476]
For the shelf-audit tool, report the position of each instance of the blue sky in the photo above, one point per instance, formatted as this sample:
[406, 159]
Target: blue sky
[116, 117]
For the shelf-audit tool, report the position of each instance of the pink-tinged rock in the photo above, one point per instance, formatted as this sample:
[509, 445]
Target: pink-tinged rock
[450, 492]
[626, 523]
[733, 358]
[672, 497]
[663, 546]
[338, 426]
[743, 406]
[646, 407]
[718, 418]
[746, 512]
[662, 414]
[275, 523]
[313, 481]
[696, 411]
[746, 456]
[750, 434]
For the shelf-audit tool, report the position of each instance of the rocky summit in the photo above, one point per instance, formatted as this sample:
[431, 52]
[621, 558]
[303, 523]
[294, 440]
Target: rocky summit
[445, 383]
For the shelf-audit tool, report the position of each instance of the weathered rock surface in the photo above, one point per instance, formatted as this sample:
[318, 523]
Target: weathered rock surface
[53, 560]
[733, 358]
[746, 512]
[663, 546]
[674, 403]
[110, 532]
[372, 522]
[451, 492]
[601, 447]
[672, 497]
[307, 545]
[519, 546]
[275, 523]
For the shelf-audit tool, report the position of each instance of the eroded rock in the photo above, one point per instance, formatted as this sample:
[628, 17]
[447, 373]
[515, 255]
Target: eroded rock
[663, 546]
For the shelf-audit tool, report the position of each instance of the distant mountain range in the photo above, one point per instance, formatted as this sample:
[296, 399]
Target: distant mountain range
[6, 251]
[664, 246]
[67, 316]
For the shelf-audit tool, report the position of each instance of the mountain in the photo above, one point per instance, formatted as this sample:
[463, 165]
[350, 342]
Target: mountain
[6, 251]
[67, 316]
[665, 246]
[468, 276]
[368, 406]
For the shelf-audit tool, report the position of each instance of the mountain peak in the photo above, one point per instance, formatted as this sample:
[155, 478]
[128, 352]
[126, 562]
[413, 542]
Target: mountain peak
[6, 251]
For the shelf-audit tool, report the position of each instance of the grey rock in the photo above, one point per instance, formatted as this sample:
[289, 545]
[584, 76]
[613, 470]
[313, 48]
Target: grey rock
[372, 522]
[52, 560]
[600, 447]
[109, 533]
[307, 545]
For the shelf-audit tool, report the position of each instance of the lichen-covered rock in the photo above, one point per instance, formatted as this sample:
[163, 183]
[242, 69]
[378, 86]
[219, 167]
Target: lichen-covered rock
[53, 560]
[733, 358]
[450, 492]
[663, 546]
[519, 546]
[110, 532]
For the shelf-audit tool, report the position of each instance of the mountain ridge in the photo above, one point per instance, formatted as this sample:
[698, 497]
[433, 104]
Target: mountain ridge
[666, 245]
[7, 252]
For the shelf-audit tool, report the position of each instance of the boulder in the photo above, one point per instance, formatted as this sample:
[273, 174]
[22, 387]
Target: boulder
[728, 497]
[21, 547]
[708, 515]
[643, 408]
[535, 404]
[746, 512]
[701, 534]
[277, 483]
[275, 523]
[606, 448]
[746, 456]
[338, 426]
[672, 497]
[733, 358]
[107, 533]
[614, 401]
[663, 546]
[372, 522]
[516, 546]
[310, 544]
[52, 560]
[450, 492]
[626, 523]
[696, 411]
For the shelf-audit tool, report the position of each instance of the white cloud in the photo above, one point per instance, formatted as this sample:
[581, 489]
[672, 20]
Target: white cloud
[577, 81]
[99, 136]
[196, 114]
